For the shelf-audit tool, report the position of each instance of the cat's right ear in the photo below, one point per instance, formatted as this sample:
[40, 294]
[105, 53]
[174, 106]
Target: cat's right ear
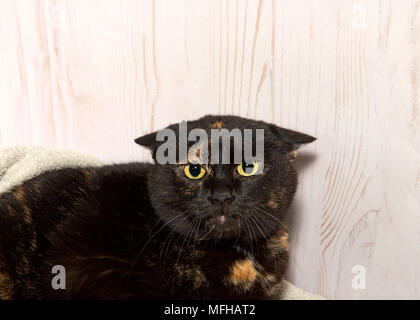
[293, 138]
[148, 141]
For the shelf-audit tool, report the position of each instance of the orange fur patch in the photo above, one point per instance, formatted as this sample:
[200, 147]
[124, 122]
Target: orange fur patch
[27, 215]
[243, 273]
[284, 241]
[279, 242]
[6, 287]
[292, 155]
[193, 274]
[19, 193]
[273, 202]
[196, 154]
[217, 124]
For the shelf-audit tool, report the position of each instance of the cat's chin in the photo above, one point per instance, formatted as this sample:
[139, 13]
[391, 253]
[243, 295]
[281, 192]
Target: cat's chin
[223, 226]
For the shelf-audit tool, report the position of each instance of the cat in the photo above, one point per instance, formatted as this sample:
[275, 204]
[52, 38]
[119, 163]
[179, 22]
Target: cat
[151, 230]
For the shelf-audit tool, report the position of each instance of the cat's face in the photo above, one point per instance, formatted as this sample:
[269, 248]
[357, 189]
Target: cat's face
[243, 202]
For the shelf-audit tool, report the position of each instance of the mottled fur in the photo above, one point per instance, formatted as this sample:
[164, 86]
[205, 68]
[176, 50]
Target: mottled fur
[145, 231]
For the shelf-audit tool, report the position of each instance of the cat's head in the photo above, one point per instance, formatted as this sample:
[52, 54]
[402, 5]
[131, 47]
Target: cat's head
[244, 201]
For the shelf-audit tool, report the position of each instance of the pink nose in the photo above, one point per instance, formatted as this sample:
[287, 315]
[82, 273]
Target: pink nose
[221, 219]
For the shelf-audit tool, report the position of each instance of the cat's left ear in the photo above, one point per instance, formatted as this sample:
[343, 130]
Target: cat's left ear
[148, 141]
[293, 138]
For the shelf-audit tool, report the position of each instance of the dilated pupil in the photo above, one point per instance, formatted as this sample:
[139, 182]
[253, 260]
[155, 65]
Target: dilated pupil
[247, 167]
[195, 169]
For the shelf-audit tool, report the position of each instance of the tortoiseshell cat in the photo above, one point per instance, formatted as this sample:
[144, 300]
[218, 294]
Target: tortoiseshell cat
[152, 231]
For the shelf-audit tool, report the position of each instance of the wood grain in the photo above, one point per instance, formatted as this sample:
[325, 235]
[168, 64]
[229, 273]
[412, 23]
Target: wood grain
[93, 75]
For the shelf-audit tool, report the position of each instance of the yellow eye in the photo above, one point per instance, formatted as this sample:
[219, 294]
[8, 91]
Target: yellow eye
[194, 171]
[247, 169]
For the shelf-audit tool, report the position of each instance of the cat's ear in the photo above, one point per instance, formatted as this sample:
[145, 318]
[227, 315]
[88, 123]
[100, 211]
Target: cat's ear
[293, 138]
[153, 140]
[148, 141]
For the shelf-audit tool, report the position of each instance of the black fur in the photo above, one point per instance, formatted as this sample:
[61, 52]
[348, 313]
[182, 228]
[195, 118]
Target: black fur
[146, 231]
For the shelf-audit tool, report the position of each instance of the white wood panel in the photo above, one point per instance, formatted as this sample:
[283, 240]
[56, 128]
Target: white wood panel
[93, 75]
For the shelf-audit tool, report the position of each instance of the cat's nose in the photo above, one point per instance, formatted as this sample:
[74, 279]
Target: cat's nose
[221, 197]
[221, 194]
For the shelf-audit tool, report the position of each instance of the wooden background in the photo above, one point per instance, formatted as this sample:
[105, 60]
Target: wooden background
[93, 75]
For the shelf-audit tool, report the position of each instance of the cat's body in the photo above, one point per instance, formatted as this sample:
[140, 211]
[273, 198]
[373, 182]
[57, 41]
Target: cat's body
[145, 231]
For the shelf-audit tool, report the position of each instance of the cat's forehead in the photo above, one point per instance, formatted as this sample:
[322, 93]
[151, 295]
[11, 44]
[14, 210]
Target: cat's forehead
[199, 152]
[223, 134]
[213, 153]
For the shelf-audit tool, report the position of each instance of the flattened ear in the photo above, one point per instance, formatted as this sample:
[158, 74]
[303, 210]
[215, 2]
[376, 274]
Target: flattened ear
[148, 140]
[293, 138]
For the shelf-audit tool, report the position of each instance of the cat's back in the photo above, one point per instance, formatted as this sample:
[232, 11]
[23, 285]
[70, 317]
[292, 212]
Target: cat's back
[61, 208]
[63, 186]
[59, 190]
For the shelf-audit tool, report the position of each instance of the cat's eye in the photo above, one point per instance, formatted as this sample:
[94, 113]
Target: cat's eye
[247, 169]
[194, 171]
